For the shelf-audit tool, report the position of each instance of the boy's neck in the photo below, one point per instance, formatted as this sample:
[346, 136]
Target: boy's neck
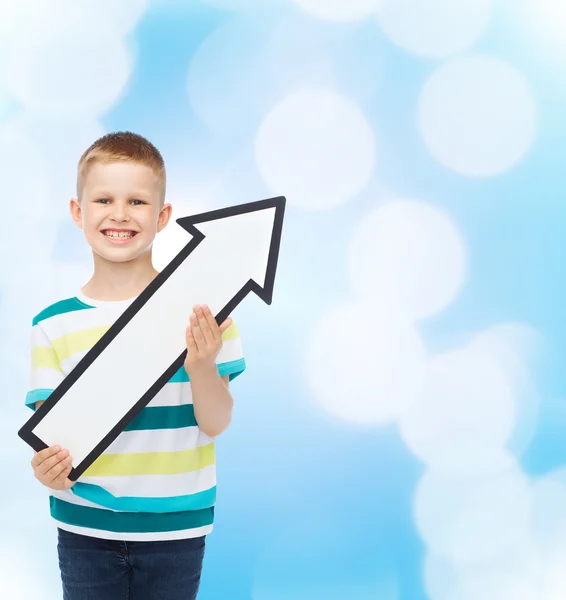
[119, 281]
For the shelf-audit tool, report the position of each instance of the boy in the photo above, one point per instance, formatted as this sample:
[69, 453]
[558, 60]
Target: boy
[134, 524]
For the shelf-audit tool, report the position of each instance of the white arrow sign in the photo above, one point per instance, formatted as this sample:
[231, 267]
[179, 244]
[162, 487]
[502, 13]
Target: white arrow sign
[233, 251]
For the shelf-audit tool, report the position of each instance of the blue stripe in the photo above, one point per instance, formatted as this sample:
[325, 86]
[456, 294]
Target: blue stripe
[100, 496]
[59, 308]
[37, 396]
[180, 376]
[136, 522]
[164, 417]
[232, 368]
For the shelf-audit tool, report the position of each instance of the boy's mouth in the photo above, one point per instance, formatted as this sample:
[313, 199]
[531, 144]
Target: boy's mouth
[119, 236]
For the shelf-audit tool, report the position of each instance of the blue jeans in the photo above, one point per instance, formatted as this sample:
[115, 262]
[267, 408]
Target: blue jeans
[96, 569]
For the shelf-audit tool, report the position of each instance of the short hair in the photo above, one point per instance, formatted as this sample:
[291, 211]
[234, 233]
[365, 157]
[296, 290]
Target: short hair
[122, 146]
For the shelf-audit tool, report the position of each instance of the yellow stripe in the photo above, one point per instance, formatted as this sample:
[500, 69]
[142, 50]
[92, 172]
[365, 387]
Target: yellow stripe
[231, 333]
[152, 463]
[69, 344]
[85, 339]
[44, 358]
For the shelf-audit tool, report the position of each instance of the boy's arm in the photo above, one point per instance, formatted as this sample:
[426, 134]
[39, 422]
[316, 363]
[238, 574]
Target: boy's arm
[212, 400]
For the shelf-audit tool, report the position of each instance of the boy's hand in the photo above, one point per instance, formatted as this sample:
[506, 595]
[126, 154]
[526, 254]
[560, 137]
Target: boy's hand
[51, 467]
[204, 338]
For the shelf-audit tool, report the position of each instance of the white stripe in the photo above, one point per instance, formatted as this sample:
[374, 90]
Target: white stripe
[45, 379]
[78, 320]
[69, 363]
[156, 486]
[136, 537]
[162, 440]
[173, 394]
[72, 498]
[231, 350]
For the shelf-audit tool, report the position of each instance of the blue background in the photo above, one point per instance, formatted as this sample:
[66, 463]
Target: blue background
[311, 505]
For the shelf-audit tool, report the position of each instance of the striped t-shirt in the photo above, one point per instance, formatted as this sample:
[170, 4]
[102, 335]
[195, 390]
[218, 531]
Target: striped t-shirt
[157, 480]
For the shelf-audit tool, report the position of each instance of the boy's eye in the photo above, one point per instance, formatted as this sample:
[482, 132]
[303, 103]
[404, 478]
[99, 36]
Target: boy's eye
[106, 200]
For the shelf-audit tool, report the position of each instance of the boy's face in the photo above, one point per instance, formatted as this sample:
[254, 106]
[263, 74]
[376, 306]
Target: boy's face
[120, 211]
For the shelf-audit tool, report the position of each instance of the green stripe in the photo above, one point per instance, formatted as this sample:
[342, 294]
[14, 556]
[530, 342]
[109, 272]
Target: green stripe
[37, 396]
[231, 367]
[180, 376]
[99, 495]
[59, 308]
[128, 522]
[164, 417]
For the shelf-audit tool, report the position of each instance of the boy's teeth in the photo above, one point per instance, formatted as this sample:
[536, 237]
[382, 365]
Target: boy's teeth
[119, 234]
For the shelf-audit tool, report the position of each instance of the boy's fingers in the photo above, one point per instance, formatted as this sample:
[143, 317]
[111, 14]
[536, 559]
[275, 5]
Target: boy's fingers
[57, 471]
[61, 480]
[44, 454]
[211, 321]
[207, 333]
[224, 326]
[190, 338]
[43, 468]
[197, 333]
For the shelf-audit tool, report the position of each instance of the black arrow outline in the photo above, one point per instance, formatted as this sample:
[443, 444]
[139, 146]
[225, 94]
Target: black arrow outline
[264, 292]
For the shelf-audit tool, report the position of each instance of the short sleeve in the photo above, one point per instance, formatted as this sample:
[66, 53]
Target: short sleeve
[230, 360]
[46, 373]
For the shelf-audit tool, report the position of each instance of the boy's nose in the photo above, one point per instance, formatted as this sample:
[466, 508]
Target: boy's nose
[120, 213]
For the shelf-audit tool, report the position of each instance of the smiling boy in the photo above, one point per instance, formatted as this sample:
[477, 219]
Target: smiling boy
[134, 524]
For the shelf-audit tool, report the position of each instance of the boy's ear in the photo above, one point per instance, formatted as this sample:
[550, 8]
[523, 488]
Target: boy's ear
[76, 212]
[164, 217]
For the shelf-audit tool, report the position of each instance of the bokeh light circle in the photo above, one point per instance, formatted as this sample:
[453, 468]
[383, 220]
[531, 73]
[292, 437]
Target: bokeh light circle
[363, 366]
[434, 28]
[68, 64]
[408, 255]
[477, 115]
[317, 146]
[473, 519]
[339, 10]
[465, 413]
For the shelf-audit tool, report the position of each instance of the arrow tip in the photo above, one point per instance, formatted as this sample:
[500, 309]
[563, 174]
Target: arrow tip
[264, 289]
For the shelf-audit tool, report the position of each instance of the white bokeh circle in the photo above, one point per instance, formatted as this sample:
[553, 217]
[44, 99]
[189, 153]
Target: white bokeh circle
[339, 10]
[123, 15]
[408, 255]
[59, 144]
[23, 196]
[235, 98]
[318, 146]
[364, 366]
[244, 5]
[441, 579]
[434, 28]
[515, 348]
[14, 575]
[473, 519]
[465, 414]
[509, 577]
[305, 52]
[70, 62]
[549, 514]
[477, 115]
[16, 15]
